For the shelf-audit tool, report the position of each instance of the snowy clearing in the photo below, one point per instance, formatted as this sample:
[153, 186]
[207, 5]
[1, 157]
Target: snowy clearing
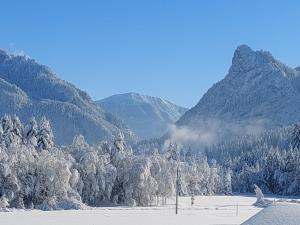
[206, 210]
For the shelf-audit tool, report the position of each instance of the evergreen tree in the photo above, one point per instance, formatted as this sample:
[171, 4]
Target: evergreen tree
[17, 130]
[7, 127]
[45, 135]
[296, 137]
[227, 186]
[173, 152]
[1, 133]
[32, 132]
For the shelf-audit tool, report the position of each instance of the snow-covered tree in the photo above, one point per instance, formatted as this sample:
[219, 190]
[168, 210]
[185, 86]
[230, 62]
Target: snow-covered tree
[215, 184]
[32, 132]
[7, 127]
[17, 130]
[227, 186]
[53, 181]
[1, 133]
[163, 173]
[45, 135]
[296, 137]
[141, 186]
[173, 152]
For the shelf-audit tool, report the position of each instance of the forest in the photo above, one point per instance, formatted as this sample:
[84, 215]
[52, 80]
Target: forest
[36, 173]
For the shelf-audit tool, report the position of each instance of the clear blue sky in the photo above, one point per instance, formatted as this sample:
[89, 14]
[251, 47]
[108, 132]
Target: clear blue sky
[171, 49]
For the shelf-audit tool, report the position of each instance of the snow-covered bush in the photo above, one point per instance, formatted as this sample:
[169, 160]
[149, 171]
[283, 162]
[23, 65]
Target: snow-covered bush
[3, 204]
[260, 199]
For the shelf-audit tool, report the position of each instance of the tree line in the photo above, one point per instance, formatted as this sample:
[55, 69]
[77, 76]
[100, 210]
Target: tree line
[35, 173]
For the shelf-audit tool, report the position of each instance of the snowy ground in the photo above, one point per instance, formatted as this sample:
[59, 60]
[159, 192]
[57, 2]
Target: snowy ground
[207, 210]
[215, 210]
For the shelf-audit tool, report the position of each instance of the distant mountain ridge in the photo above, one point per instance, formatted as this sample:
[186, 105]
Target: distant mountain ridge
[31, 89]
[257, 89]
[148, 117]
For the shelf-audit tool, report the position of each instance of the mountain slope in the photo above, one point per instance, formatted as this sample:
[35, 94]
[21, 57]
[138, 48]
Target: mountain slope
[148, 117]
[258, 89]
[30, 89]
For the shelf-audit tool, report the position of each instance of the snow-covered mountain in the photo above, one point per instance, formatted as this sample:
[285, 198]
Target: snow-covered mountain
[258, 91]
[29, 89]
[148, 117]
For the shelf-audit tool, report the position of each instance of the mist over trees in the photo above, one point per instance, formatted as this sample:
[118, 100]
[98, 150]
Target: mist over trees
[35, 173]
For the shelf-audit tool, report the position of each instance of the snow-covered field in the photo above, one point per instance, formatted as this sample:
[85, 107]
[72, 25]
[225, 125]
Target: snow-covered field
[206, 210]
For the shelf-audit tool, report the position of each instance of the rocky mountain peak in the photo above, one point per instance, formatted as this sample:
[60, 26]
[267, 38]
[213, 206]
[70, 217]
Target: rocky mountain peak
[245, 59]
[257, 89]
